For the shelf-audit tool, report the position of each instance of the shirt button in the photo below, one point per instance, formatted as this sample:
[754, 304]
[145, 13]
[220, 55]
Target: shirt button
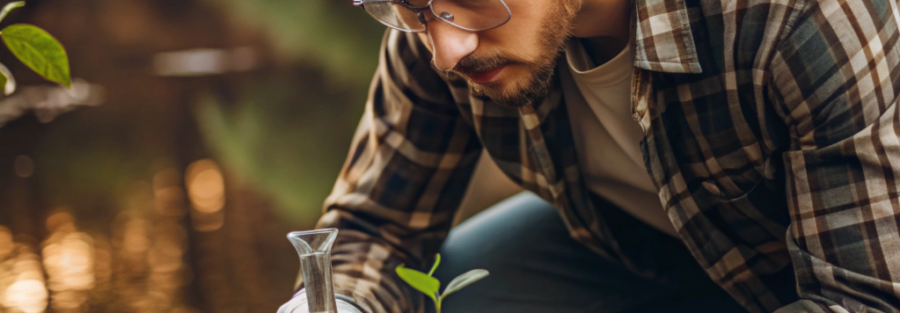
[712, 188]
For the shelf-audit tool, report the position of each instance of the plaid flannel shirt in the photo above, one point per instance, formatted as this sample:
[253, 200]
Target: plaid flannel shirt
[770, 131]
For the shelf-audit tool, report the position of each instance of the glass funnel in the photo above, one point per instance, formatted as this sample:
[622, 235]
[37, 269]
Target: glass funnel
[314, 248]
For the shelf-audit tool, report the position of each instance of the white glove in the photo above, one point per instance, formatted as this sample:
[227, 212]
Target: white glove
[298, 305]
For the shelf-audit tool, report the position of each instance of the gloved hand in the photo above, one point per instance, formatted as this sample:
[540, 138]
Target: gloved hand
[298, 305]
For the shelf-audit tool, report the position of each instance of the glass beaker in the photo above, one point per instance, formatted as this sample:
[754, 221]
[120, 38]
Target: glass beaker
[314, 248]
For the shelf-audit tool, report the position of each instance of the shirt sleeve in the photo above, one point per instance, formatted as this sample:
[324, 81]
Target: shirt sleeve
[834, 81]
[406, 173]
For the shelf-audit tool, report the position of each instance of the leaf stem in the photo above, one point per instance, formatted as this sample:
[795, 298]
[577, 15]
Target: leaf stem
[9, 7]
[437, 261]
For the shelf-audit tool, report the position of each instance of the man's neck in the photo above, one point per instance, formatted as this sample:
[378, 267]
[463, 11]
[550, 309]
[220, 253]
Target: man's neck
[603, 49]
[604, 27]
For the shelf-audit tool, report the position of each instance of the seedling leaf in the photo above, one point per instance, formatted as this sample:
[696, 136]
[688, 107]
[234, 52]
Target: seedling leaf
[437, 261]
[3, 81]
[420, 281]
[9, 7]
[464, 280]
[39, 50]
[8, 83]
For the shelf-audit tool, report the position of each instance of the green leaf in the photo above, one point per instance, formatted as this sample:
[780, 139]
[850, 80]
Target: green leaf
[8, 83]
[9, 7]
[39, 51]
[437, 261]
[464, 280]
[3, 81]
[421, 282]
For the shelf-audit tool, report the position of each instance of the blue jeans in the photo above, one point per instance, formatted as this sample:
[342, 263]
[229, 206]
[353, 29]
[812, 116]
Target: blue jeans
[537, 267]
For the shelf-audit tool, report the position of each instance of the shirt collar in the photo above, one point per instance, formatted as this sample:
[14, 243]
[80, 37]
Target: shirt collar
[663, 38]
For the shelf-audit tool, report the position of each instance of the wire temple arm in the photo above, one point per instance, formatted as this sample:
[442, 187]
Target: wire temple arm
[404, 3]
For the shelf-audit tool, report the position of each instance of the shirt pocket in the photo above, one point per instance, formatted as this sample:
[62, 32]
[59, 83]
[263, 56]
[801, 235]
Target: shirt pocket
[756, 219]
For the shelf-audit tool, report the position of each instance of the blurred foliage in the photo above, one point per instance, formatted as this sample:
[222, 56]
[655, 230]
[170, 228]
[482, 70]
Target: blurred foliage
[290, 139]
[341, 38]
[285, 135]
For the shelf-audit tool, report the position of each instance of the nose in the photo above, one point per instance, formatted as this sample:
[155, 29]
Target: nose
[450, 44]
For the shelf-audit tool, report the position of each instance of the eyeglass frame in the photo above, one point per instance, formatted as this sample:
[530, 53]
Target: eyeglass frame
[428, 7]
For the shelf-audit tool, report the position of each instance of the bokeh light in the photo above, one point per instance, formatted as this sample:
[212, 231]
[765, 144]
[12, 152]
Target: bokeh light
[26, 295]
[26, 291]
[206, 186]
[206, 189]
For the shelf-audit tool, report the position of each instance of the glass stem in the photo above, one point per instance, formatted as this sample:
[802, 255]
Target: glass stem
[317, 279]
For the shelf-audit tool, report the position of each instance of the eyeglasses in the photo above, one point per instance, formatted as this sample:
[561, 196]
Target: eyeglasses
[470, 15]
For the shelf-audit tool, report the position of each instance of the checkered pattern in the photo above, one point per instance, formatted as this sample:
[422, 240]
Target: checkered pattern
[770, 132]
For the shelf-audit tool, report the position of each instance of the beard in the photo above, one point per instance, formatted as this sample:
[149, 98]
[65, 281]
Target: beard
[556, 30]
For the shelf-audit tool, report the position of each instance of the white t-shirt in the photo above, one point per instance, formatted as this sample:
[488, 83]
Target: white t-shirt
[598, 99]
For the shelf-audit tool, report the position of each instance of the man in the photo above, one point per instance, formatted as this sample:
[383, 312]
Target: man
[707, 156]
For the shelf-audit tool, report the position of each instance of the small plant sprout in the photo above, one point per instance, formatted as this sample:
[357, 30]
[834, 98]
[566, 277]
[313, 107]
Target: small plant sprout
[36, 48]
[431, 286]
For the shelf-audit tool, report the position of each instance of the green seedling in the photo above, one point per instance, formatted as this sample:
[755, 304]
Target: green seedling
[34, 47]
[431, 286]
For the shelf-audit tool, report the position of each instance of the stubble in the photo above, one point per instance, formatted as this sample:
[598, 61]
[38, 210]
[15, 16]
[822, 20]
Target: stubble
[556, 30]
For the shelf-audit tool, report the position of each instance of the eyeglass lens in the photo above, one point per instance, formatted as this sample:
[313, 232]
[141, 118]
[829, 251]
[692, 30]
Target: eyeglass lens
[473, 15]
[394, 14]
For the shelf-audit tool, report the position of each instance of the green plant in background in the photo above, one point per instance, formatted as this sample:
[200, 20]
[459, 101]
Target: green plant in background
[431, 286]
[333, 34]
[36, 48]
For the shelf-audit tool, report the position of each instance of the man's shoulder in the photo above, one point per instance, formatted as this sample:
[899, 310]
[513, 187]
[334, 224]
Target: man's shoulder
[713, 15]
[745, 30]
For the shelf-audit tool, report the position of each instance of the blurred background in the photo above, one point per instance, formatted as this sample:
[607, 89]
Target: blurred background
[197, 134]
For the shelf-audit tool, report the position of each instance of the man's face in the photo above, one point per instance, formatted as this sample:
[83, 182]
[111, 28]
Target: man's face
[511, 64]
